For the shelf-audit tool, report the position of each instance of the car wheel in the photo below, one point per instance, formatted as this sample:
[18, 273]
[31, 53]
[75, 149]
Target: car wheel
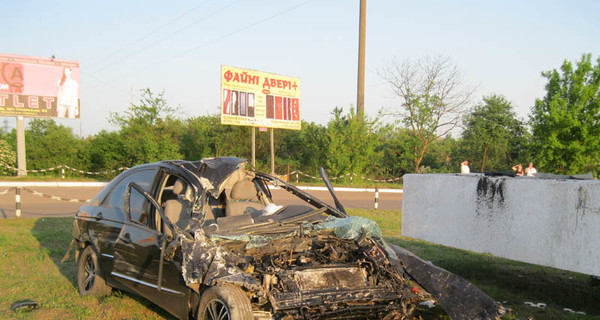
[89, 280]
[224, 303]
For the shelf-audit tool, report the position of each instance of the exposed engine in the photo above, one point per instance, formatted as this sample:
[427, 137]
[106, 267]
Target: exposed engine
[321, 276]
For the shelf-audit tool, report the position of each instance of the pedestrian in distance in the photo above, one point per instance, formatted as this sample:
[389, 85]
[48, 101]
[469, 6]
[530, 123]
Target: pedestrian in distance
[530, 170]
[464, 167]
[518, 169]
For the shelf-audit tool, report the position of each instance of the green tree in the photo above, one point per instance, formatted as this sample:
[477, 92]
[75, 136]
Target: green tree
[49, 144]
[199, 139]
[566, 122]
[441, 157]
[313, 140]
[493, 135]
[149, 132]
[351, 147]
[394, 150]
[433, 96]
[106, 151]
[8, 159]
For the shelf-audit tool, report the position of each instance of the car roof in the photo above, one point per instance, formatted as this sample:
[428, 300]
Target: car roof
[214, 170]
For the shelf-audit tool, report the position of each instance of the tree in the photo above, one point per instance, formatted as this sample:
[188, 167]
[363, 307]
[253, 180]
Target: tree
[149, 132]
[313, 153]
[49, 144]
[8, 158]
[493, 134]
[199, 139]
[394, 149]
[152, 110]
[441, 157]
[433, 95]
[106, 151]
[351, 144]
[566, 122]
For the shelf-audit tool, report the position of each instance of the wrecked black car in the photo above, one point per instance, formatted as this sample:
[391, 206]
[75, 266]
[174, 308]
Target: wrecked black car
[204, 240]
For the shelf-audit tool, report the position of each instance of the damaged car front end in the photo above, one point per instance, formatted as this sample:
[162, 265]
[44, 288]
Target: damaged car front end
[206, 240]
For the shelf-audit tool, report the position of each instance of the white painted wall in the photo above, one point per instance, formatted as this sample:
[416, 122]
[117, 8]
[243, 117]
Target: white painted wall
[543, 221]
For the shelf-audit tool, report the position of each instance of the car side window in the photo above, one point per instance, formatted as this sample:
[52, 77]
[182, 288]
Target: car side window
[144, 178]
[138, 207]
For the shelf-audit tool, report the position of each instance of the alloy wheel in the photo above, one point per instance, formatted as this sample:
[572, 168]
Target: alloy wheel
[217, 310]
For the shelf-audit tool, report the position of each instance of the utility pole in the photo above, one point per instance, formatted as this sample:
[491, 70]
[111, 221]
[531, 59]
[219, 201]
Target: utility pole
[360, 103]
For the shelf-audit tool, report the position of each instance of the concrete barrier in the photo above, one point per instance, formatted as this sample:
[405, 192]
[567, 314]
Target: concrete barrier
[549, 222]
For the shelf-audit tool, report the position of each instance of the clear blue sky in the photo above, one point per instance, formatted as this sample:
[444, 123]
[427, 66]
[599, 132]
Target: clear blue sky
[179, 46]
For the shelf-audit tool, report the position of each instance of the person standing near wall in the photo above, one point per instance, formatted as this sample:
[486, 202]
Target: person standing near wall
[464, 167]
[530, 170]
[518, 169]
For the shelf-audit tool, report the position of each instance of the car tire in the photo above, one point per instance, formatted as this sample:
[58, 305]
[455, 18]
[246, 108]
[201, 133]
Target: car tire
[89, 279]
[227, 303]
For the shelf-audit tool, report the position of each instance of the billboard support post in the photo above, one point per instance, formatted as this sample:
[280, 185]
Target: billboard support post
[272, 152]
[21, 159]
[254, 147]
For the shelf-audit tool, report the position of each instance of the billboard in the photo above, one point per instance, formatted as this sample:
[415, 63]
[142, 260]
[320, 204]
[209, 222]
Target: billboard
[39, 87]
[259, 99]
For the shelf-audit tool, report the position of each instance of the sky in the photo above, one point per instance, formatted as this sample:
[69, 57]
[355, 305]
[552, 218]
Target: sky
[178, 47]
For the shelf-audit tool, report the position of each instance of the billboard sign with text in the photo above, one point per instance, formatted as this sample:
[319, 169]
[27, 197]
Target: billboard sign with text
[259, 99]
[39, 87]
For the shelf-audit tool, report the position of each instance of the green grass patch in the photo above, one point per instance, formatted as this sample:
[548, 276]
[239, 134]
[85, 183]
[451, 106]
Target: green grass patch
[31, 249]
[30, 268]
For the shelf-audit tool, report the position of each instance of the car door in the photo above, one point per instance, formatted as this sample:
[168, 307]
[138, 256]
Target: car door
[138, 263]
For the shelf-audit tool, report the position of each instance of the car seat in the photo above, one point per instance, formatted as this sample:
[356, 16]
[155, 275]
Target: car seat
[243, 199]
[178, 210]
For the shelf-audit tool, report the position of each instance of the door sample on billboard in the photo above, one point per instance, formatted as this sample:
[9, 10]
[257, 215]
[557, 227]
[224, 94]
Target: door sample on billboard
[270, 107]
[39, 87]
[242, 103]
[251, 105]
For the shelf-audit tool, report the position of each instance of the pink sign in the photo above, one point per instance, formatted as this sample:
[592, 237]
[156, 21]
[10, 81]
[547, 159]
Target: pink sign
[39, 87]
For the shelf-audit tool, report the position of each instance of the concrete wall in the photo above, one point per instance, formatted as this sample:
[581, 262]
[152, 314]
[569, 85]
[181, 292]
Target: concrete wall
[542, 221]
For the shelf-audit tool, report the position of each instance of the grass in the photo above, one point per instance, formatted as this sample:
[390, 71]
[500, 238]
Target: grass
[30, 268]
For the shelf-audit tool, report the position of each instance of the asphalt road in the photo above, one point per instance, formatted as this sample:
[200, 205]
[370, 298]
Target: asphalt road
[36, 206]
